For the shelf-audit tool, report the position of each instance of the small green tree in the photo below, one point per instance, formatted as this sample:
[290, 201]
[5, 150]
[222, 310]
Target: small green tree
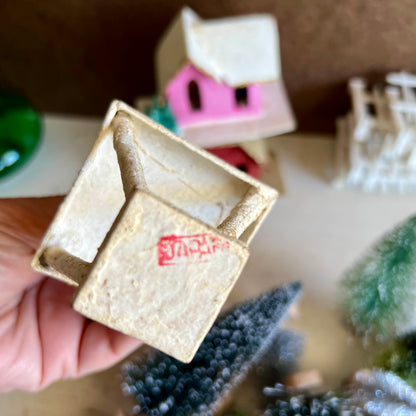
[399, 357]
[379, 290]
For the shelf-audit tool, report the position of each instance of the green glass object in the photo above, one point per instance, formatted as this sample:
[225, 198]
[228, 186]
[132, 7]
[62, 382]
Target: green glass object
[20, 129]
[162, 114]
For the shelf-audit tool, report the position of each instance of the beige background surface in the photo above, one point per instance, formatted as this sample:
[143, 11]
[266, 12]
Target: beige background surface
[75, 56]
[313, 233]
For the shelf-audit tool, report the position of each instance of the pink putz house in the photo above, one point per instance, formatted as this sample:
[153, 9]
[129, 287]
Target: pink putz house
[196, 98]
[222, 78]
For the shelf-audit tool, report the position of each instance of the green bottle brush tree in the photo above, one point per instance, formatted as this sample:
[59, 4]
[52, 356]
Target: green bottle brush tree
[378, 297]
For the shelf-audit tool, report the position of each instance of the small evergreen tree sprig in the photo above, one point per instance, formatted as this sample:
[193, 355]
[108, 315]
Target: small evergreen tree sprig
[378, 297]
[372, 392]
[165, 386]
[400, 358]
[303, 405]
[289, 403]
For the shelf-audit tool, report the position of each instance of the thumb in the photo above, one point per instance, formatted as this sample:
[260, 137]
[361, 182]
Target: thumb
[23, 221]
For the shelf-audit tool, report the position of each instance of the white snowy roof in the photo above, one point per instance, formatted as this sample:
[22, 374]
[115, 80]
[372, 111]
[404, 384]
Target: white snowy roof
[238, 50]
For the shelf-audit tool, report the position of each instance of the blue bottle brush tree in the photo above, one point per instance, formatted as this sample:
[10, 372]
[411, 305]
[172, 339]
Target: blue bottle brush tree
[165, 386]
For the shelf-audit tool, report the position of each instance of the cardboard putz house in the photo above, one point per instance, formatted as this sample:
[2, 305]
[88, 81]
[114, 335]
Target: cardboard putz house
[222, 78]
[154, 233]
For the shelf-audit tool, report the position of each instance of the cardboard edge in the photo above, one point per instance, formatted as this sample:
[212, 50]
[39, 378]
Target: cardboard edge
[36, 262]
[117, 105]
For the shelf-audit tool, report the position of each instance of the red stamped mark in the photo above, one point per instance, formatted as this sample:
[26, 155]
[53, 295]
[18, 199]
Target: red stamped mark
[175, 249]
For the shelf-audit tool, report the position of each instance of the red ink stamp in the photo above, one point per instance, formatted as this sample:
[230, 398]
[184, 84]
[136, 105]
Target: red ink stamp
[175, 249]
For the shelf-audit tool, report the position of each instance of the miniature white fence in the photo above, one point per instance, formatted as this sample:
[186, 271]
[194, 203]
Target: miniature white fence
[376, 147]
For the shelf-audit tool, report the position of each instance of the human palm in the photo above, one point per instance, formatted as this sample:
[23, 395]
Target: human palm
[42, 339]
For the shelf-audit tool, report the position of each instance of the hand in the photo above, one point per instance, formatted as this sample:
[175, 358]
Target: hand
[42, 339]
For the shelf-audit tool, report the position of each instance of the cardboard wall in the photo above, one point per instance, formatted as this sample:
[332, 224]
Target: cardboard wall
[74, 56]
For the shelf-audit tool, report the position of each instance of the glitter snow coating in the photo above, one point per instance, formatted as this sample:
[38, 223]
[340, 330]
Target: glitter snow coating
[382, 393]
[165, 386]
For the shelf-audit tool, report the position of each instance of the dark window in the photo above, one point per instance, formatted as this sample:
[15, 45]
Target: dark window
[371, 108]
[194, 96]
[241, 97]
